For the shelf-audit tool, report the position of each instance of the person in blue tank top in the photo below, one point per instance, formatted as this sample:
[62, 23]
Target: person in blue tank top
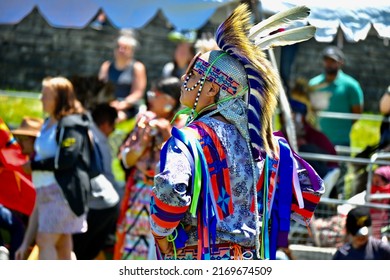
[127, 75]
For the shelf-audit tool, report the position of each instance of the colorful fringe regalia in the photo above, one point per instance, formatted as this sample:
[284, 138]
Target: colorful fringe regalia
[211, 184]
[204, 171]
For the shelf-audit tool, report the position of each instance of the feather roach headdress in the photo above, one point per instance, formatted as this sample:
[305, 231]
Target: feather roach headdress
[245, 43]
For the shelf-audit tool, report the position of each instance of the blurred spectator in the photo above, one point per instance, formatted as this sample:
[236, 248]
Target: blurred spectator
[13, 221]
[335, 91]
[13, 224]
[103, 203]
[60, 173]
[384, 103]
[99, 22]
[309, 139]
[361, 246]
[384, 108]
[13, 175]
[380, 185]
[140, 153]
[183, 54]
[127, 75]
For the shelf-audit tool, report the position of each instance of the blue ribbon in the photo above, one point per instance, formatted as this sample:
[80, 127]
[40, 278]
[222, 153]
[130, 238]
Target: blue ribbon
[281, 210]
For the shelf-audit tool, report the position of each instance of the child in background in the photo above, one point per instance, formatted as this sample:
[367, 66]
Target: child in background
[380, 185]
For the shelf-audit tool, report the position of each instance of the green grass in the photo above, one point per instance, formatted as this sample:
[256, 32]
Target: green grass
[14, 108]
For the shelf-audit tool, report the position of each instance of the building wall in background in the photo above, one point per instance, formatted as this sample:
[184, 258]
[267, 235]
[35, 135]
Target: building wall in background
[33, 49]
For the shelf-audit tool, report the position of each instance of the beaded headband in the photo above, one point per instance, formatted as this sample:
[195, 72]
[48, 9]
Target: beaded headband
[212, 74]
[206, 70]
[216, 76]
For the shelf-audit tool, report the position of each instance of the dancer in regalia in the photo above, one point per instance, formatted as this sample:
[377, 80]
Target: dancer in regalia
[228, 186]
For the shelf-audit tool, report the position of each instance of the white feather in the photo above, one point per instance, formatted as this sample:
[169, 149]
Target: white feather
[287, 37]
[278, 21]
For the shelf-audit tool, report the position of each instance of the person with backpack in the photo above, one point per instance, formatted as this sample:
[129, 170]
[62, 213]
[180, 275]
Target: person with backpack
[60, 173]
[103, 202]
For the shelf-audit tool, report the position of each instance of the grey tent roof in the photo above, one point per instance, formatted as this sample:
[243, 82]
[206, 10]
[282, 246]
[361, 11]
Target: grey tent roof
[354, 18]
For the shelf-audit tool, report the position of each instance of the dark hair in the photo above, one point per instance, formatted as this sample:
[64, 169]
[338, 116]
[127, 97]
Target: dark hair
[176, 71]
[383, 178]
[170, 86]
[357, 218]
[103, 112]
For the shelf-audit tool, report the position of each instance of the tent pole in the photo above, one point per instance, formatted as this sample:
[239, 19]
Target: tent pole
[285, 108]
[283, 100]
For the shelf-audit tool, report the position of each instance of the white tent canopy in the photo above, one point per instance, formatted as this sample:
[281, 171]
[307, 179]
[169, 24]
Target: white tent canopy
[182, 14]
[355, 18]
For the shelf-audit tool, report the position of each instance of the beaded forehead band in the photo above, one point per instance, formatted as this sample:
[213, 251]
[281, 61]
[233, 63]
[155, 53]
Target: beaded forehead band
[211, 73]
[204, 68]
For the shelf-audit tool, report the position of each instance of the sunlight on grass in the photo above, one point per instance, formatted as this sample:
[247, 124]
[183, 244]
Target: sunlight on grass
[14, 108]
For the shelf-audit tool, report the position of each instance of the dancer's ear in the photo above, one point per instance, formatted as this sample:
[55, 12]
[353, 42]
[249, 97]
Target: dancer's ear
[213, 90]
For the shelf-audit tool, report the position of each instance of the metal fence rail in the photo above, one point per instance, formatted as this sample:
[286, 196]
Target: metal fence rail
[327, 229]
[350, 116]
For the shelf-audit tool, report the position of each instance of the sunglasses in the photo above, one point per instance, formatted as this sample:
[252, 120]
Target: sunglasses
[151, 94]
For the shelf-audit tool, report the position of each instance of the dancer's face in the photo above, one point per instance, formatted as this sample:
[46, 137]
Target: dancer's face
[192, 84]
[48, 99]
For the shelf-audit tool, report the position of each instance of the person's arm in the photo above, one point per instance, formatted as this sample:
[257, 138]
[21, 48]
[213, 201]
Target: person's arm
[103, 72]
[384, 103]
[71, 141]
[44, 164]
[133, 152]
[137, 89]
[355, 93]
[163, 126]
[138, 141]
[171, 198]
[29, 236]
[356, 109]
